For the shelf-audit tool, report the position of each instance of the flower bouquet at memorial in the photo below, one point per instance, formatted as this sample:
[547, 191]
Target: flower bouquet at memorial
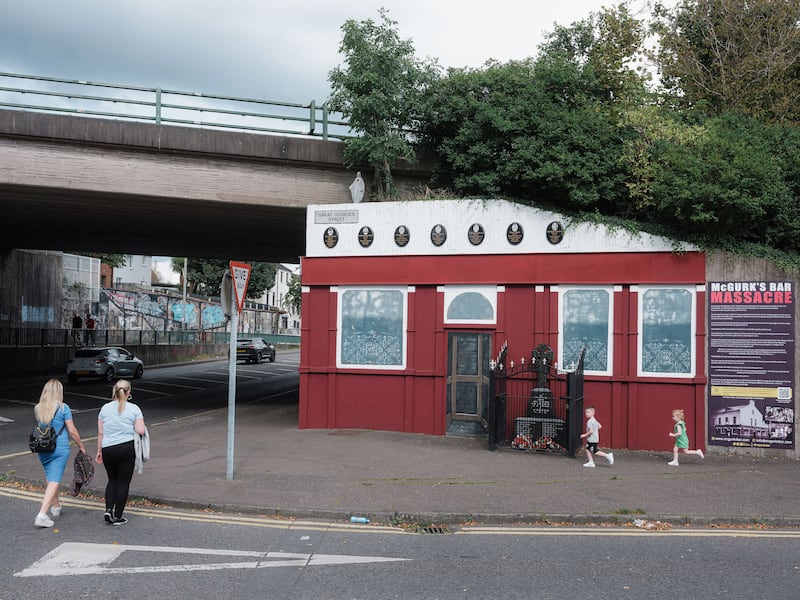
[547, 443]
[522, 442]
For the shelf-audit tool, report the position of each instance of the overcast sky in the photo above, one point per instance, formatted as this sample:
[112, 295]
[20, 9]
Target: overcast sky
[268, 49]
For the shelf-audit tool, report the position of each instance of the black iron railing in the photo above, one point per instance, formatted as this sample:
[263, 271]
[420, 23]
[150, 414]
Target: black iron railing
[533, 406]
[17, 337]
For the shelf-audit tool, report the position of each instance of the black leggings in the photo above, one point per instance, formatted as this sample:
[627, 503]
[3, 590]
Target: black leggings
[119, 461]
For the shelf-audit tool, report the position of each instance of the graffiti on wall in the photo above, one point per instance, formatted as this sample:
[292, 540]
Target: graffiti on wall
[121, 309]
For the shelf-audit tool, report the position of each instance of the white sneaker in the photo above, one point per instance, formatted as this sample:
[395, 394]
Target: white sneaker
[42, 520]
[610, 458]
[589, 464]
[700, 453]
[55, 510]
[673, 463]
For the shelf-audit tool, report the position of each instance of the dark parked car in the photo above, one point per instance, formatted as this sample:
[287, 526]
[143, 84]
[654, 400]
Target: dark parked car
[107, 363]
[254, 350]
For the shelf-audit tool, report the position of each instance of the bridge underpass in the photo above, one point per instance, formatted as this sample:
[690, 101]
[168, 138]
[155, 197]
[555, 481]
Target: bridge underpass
[77, 183]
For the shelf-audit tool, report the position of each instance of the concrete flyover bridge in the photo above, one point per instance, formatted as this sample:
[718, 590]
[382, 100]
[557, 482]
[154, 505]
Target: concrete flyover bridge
[83, 183]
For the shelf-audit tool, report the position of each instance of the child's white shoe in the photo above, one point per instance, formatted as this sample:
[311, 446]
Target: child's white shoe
[673, 463]
[610, 458]
[700, 453]
[589, 464]
[55, 510]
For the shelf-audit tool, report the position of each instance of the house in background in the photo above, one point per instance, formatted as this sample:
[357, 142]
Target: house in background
[81, 287]
[288, 319]
[136, 273]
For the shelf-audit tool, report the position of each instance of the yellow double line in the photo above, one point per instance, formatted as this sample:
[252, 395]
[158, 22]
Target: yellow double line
[202, 517]
[288, 523]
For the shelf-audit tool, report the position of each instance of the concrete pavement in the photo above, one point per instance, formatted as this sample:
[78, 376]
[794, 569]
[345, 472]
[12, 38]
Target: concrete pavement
[395, 477]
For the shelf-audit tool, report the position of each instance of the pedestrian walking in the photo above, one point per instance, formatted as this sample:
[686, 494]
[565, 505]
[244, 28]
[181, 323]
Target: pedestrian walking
[681, 438]
[118, 423]
[91, 324]
[51, 410]
[77, 325]
[592, 437]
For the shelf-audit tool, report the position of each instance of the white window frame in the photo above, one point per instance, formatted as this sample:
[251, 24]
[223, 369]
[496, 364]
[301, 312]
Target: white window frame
[641, 291]
[562, 290]
[340, 291]
[451, 292]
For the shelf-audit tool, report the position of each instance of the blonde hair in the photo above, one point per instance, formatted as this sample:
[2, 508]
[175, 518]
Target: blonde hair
[50, 400]
[678, 412]
[121, 390]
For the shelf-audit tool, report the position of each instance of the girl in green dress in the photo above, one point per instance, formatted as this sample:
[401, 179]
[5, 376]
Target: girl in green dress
[681, 438]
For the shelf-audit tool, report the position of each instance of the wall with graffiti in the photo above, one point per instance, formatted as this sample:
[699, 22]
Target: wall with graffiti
[121, 309]
[131, 310]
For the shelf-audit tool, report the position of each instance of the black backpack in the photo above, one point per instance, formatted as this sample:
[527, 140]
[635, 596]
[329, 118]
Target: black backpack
[43, 439]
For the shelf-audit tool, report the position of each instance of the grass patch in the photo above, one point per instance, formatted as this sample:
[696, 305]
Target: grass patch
[630, 511]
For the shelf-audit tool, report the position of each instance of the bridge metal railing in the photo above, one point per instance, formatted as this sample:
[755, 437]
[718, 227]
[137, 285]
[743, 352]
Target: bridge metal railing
[160, 105]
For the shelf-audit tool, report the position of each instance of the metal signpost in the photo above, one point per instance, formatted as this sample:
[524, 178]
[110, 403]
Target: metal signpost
[233, 290]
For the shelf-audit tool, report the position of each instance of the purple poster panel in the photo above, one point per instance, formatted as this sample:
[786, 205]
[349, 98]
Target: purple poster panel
[751, 364]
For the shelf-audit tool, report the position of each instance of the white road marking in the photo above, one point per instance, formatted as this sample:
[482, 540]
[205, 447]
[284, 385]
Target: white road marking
[188, 387]
[76, 558]
[139, 388]
[71, 393]
[11, 401]
[201, 379]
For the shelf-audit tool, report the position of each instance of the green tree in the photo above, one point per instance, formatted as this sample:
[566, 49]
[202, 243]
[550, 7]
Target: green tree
[204, 276]
[720, 182]
[609, 46]
[376, 90]
[545, 130]
[732, 56]
[294, 294]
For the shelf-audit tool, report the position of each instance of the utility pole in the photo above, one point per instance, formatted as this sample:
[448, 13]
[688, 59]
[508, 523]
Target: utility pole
[183, 312]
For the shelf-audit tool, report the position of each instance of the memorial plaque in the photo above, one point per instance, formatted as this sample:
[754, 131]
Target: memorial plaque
[555, 232]
[476, 234]
[331, 237]
[514, 234]
[402, 236]
[438, 235]
[365, 237]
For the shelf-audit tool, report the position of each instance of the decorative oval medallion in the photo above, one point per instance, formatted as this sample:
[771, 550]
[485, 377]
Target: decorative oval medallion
[365, 237]
[476, 234]
[402, 236]
[438, 235]
[555, 232]
[331, 237]
[514, 234]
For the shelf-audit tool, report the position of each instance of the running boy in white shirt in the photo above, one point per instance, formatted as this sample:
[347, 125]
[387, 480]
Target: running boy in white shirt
[592, 437]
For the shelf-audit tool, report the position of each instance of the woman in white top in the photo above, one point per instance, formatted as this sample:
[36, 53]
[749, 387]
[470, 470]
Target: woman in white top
[117, 423]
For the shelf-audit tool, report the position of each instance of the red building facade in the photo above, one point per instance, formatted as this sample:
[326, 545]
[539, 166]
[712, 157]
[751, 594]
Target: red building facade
[406, 303]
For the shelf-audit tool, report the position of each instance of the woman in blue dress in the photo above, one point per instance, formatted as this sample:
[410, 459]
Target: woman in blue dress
[52, 410]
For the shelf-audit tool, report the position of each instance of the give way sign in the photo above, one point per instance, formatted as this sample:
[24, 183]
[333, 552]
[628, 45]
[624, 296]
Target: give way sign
[240, 274]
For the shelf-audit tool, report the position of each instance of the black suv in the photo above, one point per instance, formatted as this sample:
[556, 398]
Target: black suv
[254, 350]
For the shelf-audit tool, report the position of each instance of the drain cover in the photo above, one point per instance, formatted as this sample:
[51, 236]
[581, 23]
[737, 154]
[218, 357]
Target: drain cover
[433, 530]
